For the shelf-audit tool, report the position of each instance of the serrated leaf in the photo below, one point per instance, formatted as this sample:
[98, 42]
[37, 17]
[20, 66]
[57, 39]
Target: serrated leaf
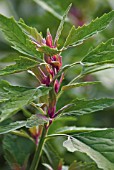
[74, 85]
[82, 106]
[22, 64]
[13, 98]
[98, 145]
[74, 129]
[17, 150]
[103, 53]
[36, 120]
[60, 28]
[11, 127]
[77, 36]
[31, 32]
[21, 42]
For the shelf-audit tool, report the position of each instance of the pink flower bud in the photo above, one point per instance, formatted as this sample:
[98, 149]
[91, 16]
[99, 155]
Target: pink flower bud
[49, 41]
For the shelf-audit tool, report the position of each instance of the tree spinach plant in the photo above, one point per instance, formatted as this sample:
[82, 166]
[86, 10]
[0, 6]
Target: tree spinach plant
[42, 57]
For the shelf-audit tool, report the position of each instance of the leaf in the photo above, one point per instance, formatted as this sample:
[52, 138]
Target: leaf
[11, 127]
[60, 28]
[22, 64]
[54, 7]
[31, 32]
[77, 36]
[74, 85]
[51, 156]
[17, 150]
[83, 166]
[21, 42]
[74, 129]
[36, 120]
[13, 98]
[48, 51]
[103, 53]
[98, 145]
[96, 68]
[82, 106]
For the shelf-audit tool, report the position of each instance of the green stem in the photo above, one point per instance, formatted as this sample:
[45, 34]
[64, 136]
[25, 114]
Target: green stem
[38, 152]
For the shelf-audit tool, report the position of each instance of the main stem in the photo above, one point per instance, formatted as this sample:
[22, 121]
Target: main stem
[38, 152]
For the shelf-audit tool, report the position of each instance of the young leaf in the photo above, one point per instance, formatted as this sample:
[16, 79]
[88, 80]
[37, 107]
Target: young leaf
[60, 28]
[36, 120]
[31, 32]
[13, 98]
[21, 42]
[22, 64]
[82, 106]
[17, 150]
[69, 86]
[11, 127]
[77, 36]
[103, 53]
[98, 145]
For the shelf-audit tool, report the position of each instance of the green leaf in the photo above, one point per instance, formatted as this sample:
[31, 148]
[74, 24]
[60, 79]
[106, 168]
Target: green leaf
[17, 150]
[60, 28]
[22, 64]
[82, 106]
[11, 127]
[103, 53]
[74, 129]
[36, 120]
[77, 36]
[13, 98]
[48, 51]
[51, 156]
[54, 7]
[83, 166]
[74, 85]
[31, 32]
[96, 68]
[21, 42]
[98, 145]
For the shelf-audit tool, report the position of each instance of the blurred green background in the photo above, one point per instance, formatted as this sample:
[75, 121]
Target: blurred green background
[43, 17]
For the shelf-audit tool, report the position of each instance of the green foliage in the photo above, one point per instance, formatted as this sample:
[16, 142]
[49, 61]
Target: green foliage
[102, 54]
[36, 120]
[22, 64]
[74, 129]
[13, 98]
[74, 85]
[82, 166]
[99, 145]
[11, 127]
[81, 106]
[42, 56]
[77, 36]
[21, 42]
[17, 150]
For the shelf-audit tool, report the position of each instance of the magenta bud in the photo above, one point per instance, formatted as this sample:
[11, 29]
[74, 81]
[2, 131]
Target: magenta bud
[49, 41]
